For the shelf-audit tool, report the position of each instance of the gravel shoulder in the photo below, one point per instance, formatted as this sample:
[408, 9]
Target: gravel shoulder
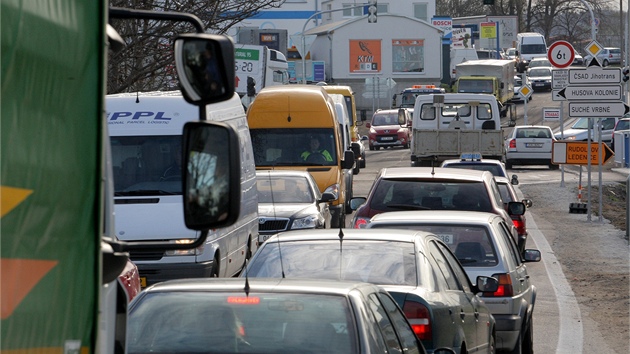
[594, 256]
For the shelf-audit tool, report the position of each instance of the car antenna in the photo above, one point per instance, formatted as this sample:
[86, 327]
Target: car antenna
[273, 205]
[340, 250]
[246, 279]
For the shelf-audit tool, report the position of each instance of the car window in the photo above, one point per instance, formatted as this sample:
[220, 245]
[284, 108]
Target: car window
[506, 234]
[445, 270]
[172, 322]
[397, 194]
[385, 325]
[378, 262]
[456, 267]
[608, 123]
[407, 338]
[533, 133]
[497, 194]
[495, 169]
[506, 196]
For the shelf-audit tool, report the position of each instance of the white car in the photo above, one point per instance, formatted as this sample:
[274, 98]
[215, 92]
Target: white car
[540, 78]
[529, 145]
[519, 81]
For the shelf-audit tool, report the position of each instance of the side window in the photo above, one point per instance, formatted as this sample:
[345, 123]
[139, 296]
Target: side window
[608, 124]
[451, 278]
[506, 235]
[405, 333]
[459, 272]
[385, 325]
[427, 112]
[497, 194]
[484, 111]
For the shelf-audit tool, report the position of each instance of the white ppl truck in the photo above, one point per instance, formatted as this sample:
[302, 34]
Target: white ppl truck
[447, 125]
[492, 76]
[268, 67]
[145, 132]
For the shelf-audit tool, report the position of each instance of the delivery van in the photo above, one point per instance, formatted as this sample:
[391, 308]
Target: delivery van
[344, 127]
[295, 127]
[529, 45]
[145, 132]
[358, 148]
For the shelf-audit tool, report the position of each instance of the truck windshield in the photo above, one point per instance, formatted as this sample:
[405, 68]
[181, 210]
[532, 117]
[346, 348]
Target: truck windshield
[475, 86]
[147, 165]
[533, 49]
[294, 147]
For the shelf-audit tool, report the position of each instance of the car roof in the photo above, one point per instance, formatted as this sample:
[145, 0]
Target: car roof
[313, 286]
[435, 216]
[531, 126]
[350, 234]
[437, 173]
[482, 161]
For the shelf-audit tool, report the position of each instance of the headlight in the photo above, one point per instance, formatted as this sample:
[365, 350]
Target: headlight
[309, 222]
[372, 131]
[188, 252]
[569, 138]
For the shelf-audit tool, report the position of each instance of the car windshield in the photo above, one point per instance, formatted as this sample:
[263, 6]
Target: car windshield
[210, 322]
[385, 119]
[283, 189]
[393, 194]
[287, 147]
[147, 165]
[538, 72]
[471, 244]
[536, 63]
[377, 262]
[533, 133]
[623, 124]
[581, 123]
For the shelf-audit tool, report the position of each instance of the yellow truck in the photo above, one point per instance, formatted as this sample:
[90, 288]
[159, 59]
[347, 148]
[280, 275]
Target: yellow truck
[357, 144]
[295, 127]
[490, 76]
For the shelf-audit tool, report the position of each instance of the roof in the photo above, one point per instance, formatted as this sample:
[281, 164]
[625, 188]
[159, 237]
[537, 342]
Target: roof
[258, 285]
[333, 26]
[282, 173]
[437, 173]
[436, 216]
[350, 234]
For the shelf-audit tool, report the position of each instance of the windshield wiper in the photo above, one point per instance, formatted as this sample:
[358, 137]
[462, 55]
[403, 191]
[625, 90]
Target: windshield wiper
[407, 207]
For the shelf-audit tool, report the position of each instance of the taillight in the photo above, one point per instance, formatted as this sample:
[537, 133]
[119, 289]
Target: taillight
[512, 144]
[520, 225]
[419, 318]
[360, 223]
[505, 286]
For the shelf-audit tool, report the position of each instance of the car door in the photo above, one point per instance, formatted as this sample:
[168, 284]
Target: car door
[462, 306]
[481, 312]
[518, 271]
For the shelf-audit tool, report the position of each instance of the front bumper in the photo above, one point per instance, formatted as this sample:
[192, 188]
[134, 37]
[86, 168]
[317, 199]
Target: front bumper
[155, 273]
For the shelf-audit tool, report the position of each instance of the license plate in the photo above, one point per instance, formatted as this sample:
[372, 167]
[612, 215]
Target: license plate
[534, 145]
[143, 282]
[387, 138]
[539, 84]
[263, 238]
[446, 238]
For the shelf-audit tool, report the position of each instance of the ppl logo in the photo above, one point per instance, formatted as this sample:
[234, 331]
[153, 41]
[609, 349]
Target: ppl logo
[138, 118]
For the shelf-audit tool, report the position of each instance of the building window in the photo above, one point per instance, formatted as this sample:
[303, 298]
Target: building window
[408, 55]
[348, 11]
[420, 11]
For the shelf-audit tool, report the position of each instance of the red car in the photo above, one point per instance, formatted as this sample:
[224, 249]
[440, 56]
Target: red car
[385, 130]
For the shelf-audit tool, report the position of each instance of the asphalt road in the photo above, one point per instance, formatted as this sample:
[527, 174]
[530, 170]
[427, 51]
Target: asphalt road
[559, 326]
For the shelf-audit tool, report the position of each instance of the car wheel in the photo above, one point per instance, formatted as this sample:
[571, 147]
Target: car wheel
[214, 272]
[492, 346]
[406, 146]
[528, 338]
[508, 165]
[377, 148]
[356, 169]
[605, 63]
[371, 148]
[553, 167]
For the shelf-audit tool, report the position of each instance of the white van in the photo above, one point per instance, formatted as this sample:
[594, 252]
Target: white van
[460, 55]
[145, 131]
[341, 109]
[529, 45]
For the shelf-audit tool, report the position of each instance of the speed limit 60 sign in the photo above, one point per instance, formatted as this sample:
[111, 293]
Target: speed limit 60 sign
[561, 54]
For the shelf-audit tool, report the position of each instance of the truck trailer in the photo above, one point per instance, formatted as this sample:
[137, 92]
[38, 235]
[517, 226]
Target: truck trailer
[489, 76]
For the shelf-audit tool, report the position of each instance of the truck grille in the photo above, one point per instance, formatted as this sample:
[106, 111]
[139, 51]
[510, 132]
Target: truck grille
[146, 255]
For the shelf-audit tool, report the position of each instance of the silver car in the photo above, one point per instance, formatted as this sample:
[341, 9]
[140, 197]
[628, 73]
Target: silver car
[529, 145]
[608, 55]
[483, 245]
[416, 268]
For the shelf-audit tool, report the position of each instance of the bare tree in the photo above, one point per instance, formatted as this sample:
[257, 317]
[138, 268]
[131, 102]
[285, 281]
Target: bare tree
[147, 64]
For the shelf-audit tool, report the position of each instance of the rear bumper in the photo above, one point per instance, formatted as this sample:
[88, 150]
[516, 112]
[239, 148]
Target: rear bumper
[508, 329]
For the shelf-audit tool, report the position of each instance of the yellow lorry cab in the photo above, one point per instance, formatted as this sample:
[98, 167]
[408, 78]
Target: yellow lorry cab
[295, 127]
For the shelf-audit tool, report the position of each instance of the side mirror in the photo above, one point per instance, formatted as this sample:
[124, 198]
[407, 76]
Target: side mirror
[528, 202]
[514, 180]
[402, 116]
[531, 255]
[516, 208]
[348, 160]
[487, 284]
[328, 197]
[205, 66]
[212, 190]
[356, 149]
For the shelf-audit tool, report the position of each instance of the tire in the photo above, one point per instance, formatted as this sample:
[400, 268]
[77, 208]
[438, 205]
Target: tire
[553, 167]
[377, 148]
[492, 346]
[356, 169]
[508, 165]
[605, 63]
[371, 148]
[528, 338]
[214, 272]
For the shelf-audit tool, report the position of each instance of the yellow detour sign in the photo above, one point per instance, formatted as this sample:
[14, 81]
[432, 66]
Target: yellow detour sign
[576, 153]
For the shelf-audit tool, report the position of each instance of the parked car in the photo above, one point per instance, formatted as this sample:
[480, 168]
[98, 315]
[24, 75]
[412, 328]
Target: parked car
[474, 161]
[511, 53]
[234, 315]
[540, 78]
[426, 188]
[529, 145]
[415, 267]
[623, 125]
[290, 200]
[489, 54]
[578, 59]
[608, 56]
[519, 81]
[579, 130]
[386, 132]
[483, 245]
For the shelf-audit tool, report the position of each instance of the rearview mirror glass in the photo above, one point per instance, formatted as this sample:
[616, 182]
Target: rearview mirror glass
[211, 178]
[205, 66]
